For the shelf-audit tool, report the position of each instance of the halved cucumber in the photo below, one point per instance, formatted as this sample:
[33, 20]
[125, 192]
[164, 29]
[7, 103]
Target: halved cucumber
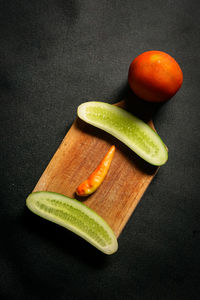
[130, 130]
[74, 216]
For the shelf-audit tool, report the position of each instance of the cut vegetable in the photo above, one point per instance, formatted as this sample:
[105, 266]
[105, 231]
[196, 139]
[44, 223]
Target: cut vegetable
[91, 184]
[76, 217]
[130, 130]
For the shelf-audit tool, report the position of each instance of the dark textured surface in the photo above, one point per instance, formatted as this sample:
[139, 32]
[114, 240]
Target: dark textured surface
[55, 55]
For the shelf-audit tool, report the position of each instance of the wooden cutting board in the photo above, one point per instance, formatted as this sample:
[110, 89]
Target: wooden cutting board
[80, 152]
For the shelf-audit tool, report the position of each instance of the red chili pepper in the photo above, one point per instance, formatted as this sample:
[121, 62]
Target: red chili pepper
[90, 185]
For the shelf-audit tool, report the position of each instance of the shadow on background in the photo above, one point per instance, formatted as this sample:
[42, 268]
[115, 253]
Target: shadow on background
[67, 241]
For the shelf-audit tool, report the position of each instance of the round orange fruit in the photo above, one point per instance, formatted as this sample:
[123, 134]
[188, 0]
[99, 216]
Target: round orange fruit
[155, 76]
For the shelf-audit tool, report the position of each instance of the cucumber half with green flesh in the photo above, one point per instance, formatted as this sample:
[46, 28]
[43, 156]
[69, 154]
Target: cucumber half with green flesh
[74, 216]
[130, 130]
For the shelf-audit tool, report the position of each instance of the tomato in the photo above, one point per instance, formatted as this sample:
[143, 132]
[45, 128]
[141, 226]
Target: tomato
[155, 76]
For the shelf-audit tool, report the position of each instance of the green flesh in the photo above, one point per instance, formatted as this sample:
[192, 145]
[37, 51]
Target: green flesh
[74, 216]
[130, 130]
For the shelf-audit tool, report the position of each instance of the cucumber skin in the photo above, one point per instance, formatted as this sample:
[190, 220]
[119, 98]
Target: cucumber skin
[82, 115]
[106, 250]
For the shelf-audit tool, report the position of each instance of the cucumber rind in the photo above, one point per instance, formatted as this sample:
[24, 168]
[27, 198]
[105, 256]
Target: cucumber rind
[124, 116]
[35, 197]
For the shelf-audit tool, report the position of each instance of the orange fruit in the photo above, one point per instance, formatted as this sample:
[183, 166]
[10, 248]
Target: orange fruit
[155, 76]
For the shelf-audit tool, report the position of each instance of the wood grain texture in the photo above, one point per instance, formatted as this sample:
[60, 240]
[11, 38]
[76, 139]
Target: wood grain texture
[78, 155]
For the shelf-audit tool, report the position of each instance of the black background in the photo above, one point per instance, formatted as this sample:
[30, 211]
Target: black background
[54, 55]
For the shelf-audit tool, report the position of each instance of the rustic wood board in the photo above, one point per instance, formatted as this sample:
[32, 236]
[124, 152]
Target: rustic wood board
[78, 155]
